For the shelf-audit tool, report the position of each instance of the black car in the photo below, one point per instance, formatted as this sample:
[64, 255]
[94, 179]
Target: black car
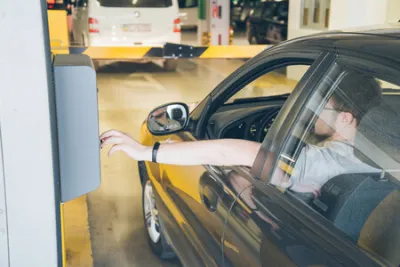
[268, 22]
[240, 11]
[240, 216]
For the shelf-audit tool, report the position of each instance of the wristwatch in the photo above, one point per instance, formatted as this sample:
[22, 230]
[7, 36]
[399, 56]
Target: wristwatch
[154, 152]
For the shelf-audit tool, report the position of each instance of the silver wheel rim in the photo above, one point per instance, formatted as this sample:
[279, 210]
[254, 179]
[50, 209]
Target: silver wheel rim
[151, 213]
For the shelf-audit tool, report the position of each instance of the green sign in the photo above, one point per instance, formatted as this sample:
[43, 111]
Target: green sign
[202, 9]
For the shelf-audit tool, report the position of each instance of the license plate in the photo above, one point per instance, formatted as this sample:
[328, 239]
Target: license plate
[136, 27]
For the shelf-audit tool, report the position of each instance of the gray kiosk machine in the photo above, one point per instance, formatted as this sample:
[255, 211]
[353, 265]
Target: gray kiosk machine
[77, 125]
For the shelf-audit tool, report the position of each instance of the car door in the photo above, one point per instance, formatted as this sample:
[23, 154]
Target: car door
[200, 201]
[198, 198]
[269, 225]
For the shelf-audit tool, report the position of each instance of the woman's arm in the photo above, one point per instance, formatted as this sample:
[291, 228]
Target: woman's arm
[213, 152]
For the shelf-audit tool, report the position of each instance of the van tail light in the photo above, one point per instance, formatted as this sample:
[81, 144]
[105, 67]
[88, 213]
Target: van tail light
[93, 23]
[177, 25]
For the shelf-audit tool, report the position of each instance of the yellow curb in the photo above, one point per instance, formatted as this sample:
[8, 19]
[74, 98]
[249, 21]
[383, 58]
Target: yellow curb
[76, 235]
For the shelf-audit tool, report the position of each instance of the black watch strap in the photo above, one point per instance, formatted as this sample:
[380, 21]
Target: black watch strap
[154, 153]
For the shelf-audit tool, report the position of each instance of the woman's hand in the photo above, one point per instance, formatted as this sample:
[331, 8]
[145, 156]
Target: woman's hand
[124, 142]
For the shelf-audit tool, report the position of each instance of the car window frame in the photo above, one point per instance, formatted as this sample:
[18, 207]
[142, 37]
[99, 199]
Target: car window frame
[251, 71]
[302, 90]
[254, 68]
[382, 69]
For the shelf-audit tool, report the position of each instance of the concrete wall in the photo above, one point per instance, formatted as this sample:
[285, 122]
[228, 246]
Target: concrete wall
[393, 11]
[344, 14]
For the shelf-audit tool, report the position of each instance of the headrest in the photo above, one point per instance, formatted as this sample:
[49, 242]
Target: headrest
[378, 137]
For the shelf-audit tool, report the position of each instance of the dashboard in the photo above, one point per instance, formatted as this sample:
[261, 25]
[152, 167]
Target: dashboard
[250, 121]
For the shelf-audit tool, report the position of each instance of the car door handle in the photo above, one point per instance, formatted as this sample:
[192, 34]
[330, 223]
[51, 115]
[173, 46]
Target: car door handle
[210, 198]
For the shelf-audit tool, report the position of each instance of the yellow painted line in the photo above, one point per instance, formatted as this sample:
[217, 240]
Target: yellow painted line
[56, 51]
[116, 52]
[227, 51]
[139, 52]
[64, 258]
[78, 248]
[58, 28]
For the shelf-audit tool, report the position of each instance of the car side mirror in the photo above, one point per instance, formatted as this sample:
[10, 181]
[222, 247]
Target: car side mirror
[168, 119]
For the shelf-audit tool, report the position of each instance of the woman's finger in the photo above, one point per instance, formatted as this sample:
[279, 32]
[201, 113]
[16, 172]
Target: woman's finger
[110, 133]
[114, 140]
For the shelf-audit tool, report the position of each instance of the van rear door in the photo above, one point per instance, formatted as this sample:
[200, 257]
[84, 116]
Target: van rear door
[134, 22]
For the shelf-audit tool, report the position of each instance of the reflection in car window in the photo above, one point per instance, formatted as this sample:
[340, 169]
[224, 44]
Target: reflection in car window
[277, 82]
[343, 159]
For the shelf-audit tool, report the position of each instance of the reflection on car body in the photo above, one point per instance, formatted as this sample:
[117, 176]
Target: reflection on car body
[235, 216]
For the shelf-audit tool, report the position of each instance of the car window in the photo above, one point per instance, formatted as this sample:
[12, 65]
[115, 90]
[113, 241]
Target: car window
[342, 158]
[135, 3]
[258, 10]
[277, 82]
[187, 3]
[282, 9]
[269, 9]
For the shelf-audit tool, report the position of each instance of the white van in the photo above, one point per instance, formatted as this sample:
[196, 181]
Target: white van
[127, 23]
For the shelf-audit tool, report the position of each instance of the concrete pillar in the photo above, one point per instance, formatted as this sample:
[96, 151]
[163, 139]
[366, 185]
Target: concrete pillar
[393, 11]
[203, 24]
[345, 14]
[30, 233]
[357, 13]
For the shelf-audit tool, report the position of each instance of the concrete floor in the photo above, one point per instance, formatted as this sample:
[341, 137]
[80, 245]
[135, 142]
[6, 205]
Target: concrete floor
[127, 92]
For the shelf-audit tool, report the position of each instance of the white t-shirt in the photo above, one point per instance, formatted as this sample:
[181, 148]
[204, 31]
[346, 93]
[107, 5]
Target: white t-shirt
[318, 164]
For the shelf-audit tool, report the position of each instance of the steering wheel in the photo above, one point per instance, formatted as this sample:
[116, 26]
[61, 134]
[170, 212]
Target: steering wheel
[265, 125]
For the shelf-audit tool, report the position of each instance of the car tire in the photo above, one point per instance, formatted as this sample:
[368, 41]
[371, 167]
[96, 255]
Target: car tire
[170, 64]
[96, 64]
[152, 222]
[251, 37]
[253, 40]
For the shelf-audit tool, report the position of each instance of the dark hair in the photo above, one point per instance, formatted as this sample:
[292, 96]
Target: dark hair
[357, 93]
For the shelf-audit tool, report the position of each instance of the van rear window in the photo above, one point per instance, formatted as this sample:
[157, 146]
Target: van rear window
[135, 3]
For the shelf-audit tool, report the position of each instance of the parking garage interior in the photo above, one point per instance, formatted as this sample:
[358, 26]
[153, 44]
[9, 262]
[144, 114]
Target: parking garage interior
[134, 74]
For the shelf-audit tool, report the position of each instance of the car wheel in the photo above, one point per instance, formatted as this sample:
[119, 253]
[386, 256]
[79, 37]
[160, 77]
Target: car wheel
[153, 224]
[253, 40]
[274, 34]
[96, 64]
[170, 64]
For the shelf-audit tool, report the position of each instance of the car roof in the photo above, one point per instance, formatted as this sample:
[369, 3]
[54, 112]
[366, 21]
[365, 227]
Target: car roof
[380, 42]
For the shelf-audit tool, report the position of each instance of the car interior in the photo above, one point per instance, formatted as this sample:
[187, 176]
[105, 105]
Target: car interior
[248, 119]
[363, 205]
